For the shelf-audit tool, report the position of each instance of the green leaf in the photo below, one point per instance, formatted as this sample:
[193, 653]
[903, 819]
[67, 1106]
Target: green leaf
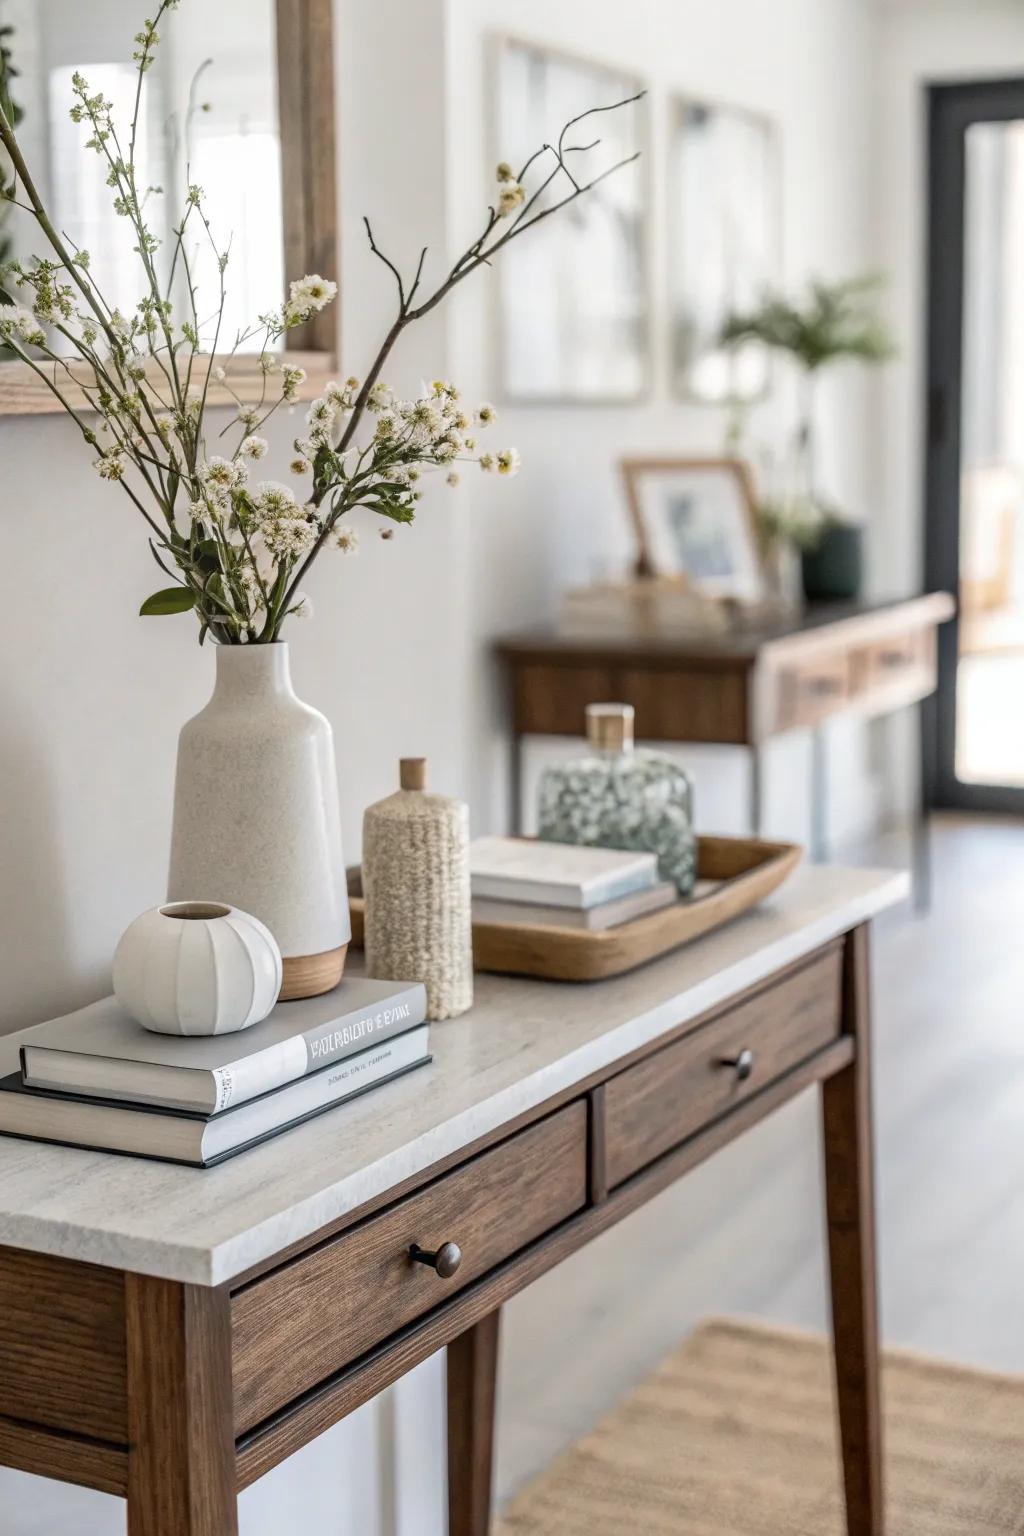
[398, 511]
[170, 600]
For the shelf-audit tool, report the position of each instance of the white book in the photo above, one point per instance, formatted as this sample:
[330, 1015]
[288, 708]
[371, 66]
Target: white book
[183, 1137]
[101, 1051]
[556, 874]
[610, 914]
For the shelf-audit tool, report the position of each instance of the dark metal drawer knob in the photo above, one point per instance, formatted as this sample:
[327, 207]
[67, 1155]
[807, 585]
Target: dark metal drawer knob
[445, 1260]
[742, 1064]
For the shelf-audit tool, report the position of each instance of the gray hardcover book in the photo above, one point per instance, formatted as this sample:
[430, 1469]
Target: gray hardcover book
[101, 1052]
[180, 1136]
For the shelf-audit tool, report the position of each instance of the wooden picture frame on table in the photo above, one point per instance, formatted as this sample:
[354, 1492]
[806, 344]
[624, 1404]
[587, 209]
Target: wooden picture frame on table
[309, 213]
[696, 519]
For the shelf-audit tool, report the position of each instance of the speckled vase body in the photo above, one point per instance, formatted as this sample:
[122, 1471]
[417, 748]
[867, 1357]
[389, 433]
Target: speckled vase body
[418, 924]
[256, 819]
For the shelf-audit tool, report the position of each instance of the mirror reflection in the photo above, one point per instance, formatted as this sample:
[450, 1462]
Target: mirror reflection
[209, 116]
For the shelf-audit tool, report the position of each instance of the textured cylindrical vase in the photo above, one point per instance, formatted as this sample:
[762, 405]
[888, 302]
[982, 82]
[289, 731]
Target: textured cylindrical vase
[256, 819]
[197, 968]
[418, 923]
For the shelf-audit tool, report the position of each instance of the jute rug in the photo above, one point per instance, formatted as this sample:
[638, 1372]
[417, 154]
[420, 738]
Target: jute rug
[734, 1435]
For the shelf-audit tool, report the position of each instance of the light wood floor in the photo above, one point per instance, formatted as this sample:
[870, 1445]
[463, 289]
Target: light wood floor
[744, 1233]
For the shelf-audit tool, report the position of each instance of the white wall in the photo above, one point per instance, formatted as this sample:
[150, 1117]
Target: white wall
[92, 698]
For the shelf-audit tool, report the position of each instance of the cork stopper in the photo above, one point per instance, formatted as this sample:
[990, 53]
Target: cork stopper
[610, 727]
[412, 772]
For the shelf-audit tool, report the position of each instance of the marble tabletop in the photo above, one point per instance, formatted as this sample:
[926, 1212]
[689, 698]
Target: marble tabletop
[522, 1042]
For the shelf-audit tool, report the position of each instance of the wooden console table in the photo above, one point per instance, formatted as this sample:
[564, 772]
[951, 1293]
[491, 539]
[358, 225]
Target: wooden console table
[736, 689]
[170, 1335]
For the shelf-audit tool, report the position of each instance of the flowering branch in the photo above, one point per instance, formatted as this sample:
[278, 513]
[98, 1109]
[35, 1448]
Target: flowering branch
[238, 552]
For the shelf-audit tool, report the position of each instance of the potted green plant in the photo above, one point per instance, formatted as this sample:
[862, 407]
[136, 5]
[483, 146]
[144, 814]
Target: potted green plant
[835, 322]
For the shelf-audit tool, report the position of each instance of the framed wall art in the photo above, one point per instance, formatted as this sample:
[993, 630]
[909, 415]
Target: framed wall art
[573, 303]
[724, 230]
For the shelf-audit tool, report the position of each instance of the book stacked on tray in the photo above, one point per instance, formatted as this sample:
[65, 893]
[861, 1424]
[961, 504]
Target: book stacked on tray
[97, 1079]
[518, 880]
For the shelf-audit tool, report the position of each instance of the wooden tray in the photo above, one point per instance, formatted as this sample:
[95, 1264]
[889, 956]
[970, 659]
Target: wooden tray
[745, 870]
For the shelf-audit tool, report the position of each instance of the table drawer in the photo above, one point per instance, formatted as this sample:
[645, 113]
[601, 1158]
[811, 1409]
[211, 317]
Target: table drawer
[325, 1308]
[669, 1096]
[552, 701]
[811, 690]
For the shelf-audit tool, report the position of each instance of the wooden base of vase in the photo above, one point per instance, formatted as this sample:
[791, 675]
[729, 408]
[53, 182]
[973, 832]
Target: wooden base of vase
[311, 975]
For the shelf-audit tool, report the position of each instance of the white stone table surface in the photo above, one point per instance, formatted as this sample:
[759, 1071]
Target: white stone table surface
[522, 1042]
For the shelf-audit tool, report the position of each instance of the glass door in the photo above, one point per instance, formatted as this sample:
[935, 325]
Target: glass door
[974, 526]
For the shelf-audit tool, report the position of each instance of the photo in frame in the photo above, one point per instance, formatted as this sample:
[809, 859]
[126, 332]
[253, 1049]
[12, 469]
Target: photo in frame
[574, 305]
[725, 224]
[696, 519]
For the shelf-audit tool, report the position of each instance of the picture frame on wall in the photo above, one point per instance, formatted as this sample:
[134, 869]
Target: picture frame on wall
[725, 243]
[696, 518]
[573, 311]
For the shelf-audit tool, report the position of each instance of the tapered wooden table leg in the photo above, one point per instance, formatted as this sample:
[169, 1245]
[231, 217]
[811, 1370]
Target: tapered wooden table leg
[846, 1112]
[181, 1458]
[472, 1384]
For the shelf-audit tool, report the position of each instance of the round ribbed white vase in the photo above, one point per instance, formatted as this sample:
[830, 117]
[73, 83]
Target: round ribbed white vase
[256, 820]
[197, 968]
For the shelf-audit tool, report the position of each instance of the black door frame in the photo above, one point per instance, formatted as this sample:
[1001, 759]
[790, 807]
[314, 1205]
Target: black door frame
[952, 108]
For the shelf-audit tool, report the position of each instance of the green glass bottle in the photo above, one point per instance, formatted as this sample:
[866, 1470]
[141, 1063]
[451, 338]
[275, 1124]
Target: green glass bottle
[618, 796]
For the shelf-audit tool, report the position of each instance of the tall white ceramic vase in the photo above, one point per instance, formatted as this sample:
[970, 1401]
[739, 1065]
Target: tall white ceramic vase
[256, 821]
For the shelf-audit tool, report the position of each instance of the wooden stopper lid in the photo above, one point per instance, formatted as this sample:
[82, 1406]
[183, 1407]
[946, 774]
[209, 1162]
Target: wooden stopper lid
[610, 726]
[412, 772]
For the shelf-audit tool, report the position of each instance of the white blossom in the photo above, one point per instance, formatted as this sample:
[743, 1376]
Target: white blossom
[273, 500]
[254, 447]
[291, 380]
[511, 197]
[219, 474]
[288, 537]
[20, 324]
[110, 465]
[307, 296]
[379, 398]
[303, 608]
[347, 540]
[508, 462]
[486, 415]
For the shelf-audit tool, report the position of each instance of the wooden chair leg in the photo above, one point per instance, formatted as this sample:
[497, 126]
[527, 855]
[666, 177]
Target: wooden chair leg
[472, 1383]
[846, 1116]
[181, 1457]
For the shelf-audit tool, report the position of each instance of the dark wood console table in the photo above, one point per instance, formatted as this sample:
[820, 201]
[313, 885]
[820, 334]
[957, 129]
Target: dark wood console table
[738, 689]
[170, 1335]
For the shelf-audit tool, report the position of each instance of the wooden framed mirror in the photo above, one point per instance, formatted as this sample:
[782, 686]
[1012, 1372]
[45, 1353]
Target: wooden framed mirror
[258, 133]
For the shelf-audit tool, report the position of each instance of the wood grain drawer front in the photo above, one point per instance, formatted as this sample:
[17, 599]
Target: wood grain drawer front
[62, 1345]
[551, 700]
[686, 706]
[809, 691]
[306, 1320]
[671, 1095]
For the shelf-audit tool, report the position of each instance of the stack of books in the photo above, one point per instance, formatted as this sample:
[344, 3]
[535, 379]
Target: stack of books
[97, 1079]
[518, 880]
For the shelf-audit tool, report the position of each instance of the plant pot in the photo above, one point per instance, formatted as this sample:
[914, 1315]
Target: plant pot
[256, 821]
[834, 569]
